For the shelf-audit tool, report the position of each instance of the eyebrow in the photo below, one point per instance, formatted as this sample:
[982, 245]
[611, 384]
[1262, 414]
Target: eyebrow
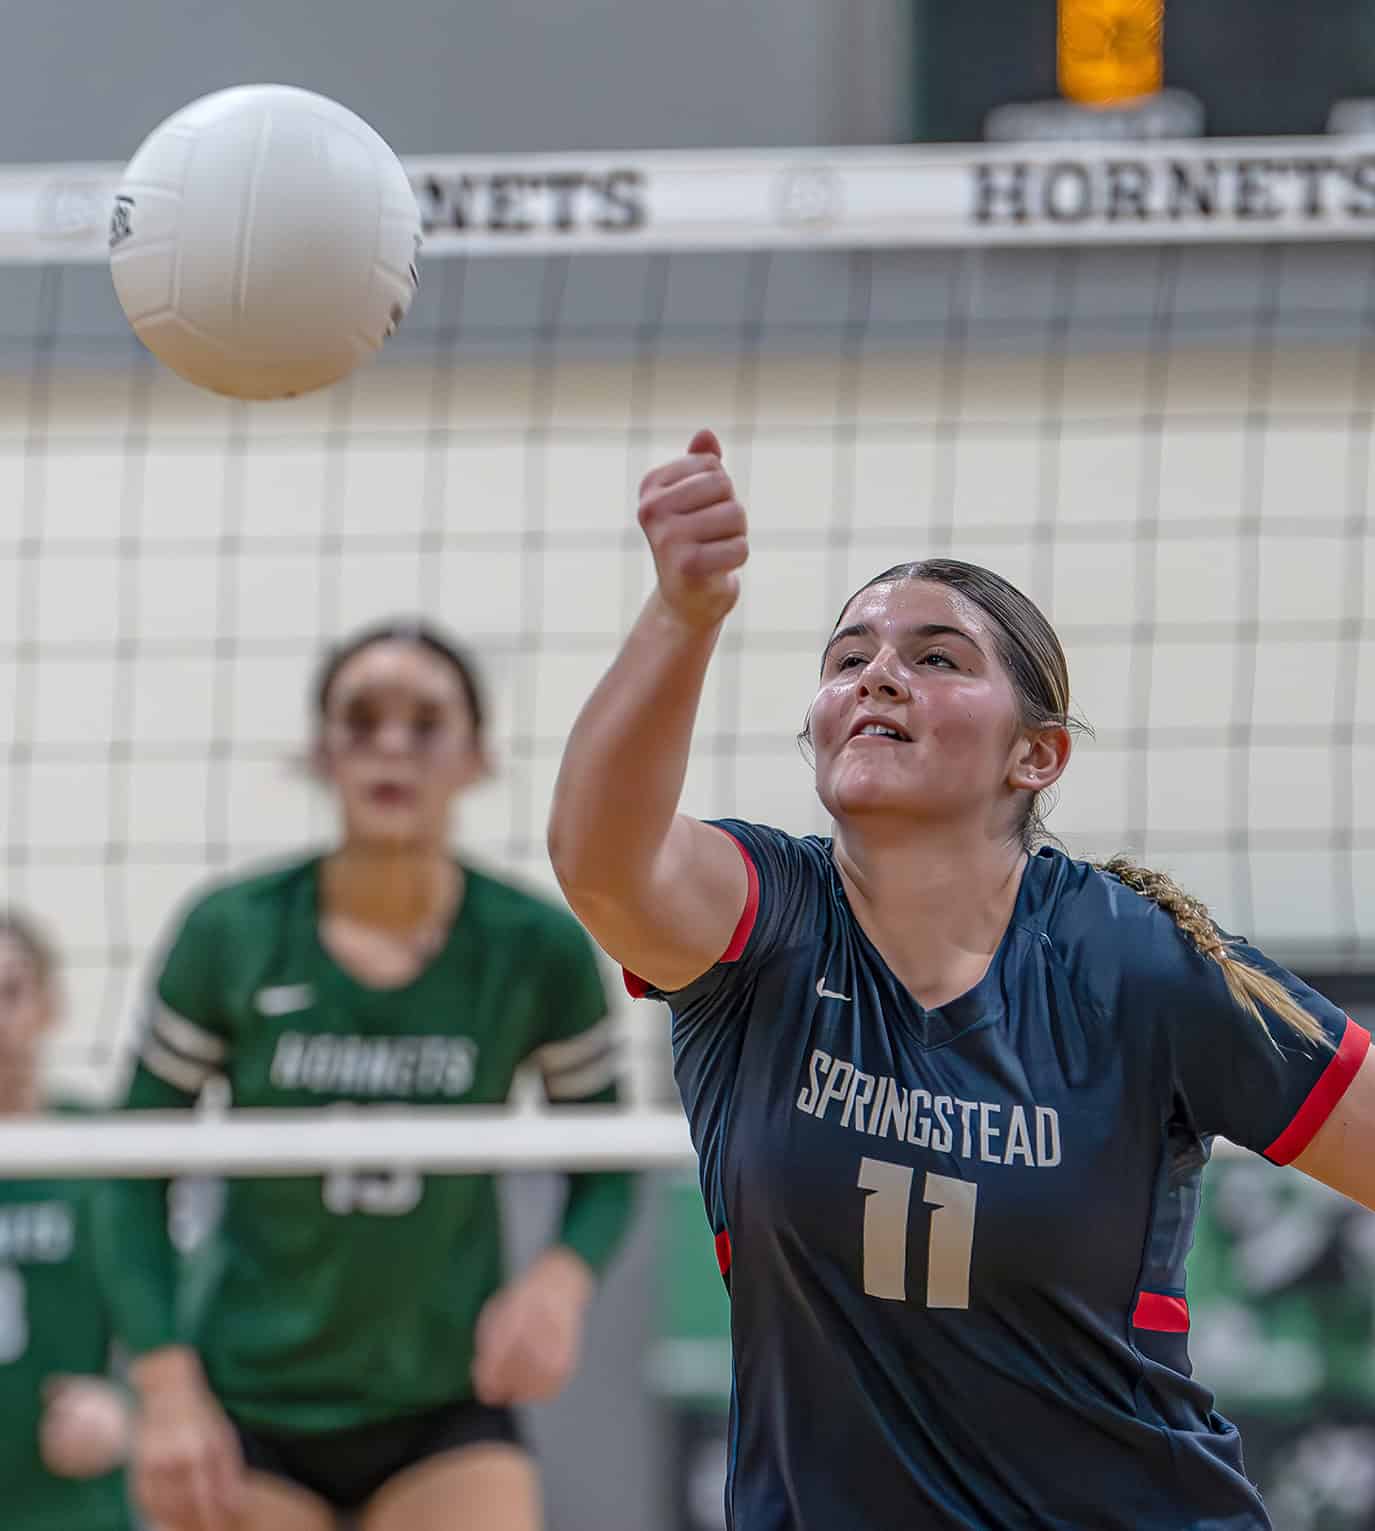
[923, 630]
[371, 693]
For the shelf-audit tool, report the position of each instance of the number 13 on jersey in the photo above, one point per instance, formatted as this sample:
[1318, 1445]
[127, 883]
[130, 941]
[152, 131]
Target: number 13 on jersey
[885, 1233]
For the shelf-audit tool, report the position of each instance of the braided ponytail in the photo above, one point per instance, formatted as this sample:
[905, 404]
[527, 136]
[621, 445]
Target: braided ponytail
[1248, 986]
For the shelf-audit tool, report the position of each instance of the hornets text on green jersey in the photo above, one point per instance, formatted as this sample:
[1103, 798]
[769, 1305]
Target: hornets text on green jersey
[326, 1303]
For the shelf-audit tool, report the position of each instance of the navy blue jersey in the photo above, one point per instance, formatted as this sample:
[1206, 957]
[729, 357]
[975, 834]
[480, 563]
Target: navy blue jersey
[956, 1237]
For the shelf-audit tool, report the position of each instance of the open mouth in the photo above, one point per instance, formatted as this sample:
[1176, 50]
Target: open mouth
[878, 728]
[391, 794]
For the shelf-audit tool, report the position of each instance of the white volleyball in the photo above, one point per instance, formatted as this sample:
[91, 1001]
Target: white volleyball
[263, 241]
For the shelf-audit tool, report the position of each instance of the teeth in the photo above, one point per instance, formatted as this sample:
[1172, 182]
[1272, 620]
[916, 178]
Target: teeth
[880, 731]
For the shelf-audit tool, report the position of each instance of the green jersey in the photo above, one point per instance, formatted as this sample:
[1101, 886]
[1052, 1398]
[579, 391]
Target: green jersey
[53, 1320]
[324, 1303]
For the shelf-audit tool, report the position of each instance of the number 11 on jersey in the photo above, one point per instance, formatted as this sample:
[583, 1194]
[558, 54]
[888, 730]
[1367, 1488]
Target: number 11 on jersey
[885, 1233]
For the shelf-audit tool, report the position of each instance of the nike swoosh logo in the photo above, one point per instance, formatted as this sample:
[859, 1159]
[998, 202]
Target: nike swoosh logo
[823, 992]
[285, 999]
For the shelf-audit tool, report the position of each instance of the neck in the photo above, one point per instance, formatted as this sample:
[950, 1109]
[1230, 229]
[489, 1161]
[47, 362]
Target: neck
[935, 900]
[390, 888]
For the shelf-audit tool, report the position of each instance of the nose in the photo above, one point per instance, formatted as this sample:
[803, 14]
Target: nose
[882, 677]
[394, 737]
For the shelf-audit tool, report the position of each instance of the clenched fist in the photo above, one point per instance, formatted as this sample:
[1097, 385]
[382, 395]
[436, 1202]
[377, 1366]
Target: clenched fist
[697, 531]
[85, 1427]
[529, 1333]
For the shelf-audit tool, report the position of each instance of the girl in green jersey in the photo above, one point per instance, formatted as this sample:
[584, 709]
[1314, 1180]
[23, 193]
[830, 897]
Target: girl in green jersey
[65, 1428]
[349, 1344]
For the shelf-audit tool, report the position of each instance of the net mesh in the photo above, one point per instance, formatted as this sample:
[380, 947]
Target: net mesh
[1167, 448]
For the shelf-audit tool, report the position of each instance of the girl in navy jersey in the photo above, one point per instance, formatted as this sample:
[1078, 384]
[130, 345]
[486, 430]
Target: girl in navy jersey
[952, 1091]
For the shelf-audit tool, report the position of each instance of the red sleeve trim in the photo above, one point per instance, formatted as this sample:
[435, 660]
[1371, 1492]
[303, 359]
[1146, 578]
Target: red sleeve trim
[744, 927]
[637, 988]
[1323, 1097]
[1161, 1312]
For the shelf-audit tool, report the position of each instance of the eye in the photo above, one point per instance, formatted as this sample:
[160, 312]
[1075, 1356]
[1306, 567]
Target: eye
[939, 657]
[360, 721]
[849, 661]
[426, 725]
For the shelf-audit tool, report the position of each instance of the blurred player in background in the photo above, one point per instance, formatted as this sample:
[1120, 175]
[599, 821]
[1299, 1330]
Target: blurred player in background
[348, 1344]
[65, 1430]
[952, 1092]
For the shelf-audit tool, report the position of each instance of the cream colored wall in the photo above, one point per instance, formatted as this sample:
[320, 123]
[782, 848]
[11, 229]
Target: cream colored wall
[170, 564]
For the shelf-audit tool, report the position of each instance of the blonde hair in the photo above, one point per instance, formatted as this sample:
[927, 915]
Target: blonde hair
[1249, 987]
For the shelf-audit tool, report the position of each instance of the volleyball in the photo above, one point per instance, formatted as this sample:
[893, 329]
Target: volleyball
[263, 242]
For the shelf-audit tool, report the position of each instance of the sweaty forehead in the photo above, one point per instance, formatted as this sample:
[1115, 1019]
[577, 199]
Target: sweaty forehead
[396, 669]
[911, 603]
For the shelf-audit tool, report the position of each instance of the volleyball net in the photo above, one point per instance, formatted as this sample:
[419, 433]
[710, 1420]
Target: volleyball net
[1137, 382]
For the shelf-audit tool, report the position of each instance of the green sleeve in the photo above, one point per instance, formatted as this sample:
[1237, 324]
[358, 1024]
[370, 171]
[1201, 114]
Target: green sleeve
[100, 1260]
[597, 1214]
[576, 1041]
[133, 1244]
[578, 1058]
[184, 1043]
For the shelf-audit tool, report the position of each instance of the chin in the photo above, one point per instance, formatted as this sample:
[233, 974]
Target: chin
[860, 795]
[853, 799]
[387, 832]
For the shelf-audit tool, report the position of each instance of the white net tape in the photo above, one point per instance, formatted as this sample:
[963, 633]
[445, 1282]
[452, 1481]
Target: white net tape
[262, 1143]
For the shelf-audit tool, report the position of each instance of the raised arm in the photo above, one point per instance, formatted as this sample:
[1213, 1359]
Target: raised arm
[661, 892]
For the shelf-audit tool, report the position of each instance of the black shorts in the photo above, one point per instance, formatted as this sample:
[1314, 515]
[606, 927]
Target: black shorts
[346, 1468]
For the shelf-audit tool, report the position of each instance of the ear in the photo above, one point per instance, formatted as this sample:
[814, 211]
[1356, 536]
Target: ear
[469, 769]
[1039, 759]
[480, 766]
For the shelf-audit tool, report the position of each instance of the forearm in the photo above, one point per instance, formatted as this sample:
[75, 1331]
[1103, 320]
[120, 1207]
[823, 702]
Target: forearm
[171, 1368]
[626, 759]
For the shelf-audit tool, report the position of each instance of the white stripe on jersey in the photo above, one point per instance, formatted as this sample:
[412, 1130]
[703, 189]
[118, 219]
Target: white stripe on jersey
[591, 1079]
[186, 1037]
[173, 1069]
[554, 1057]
